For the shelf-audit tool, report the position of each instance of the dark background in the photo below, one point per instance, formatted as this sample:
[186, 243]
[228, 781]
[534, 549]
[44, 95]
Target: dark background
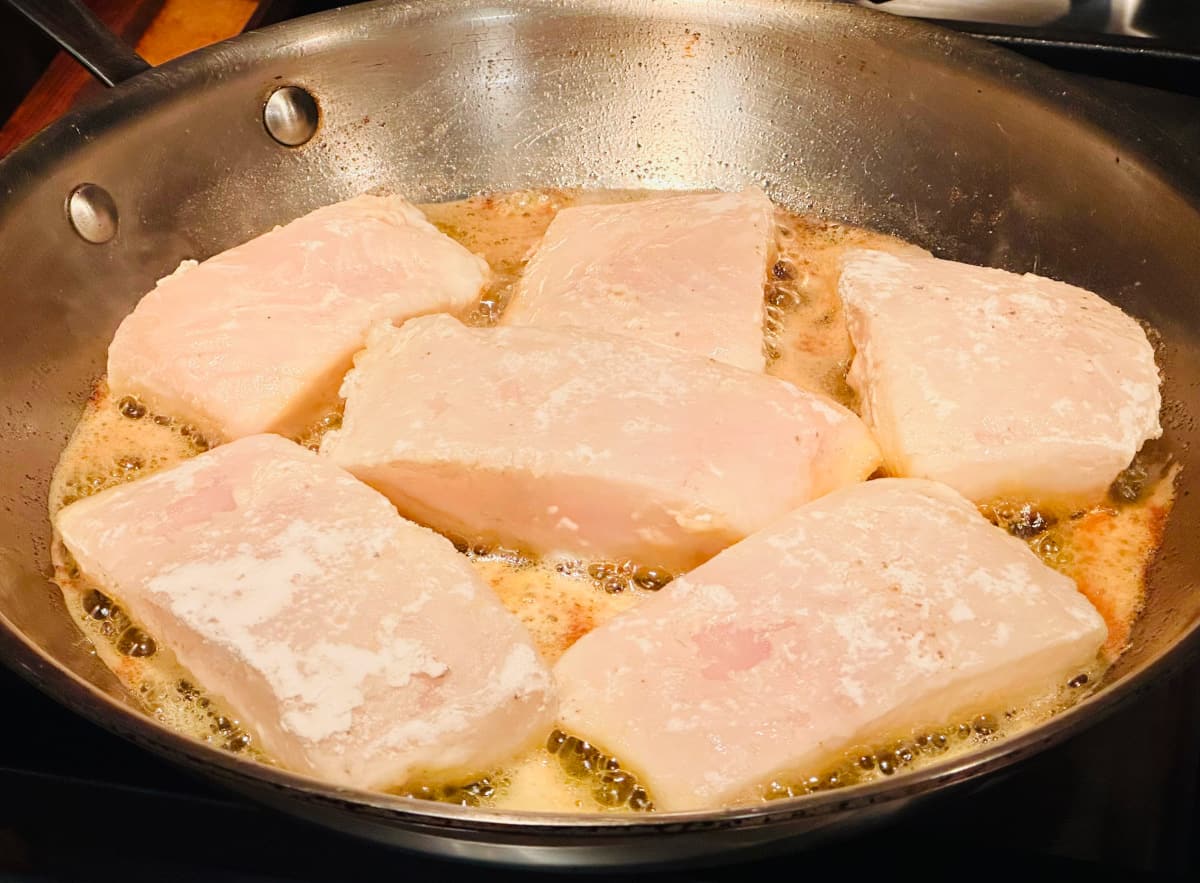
[1120, 800]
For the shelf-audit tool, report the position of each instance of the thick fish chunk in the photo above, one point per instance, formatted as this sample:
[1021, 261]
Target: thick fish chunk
[562, 441]
[994, 383]
[882, 607]
[685, 271]
[258, 338]
[360, 647]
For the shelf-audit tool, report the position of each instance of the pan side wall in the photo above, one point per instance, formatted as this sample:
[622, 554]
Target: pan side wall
[851, 115]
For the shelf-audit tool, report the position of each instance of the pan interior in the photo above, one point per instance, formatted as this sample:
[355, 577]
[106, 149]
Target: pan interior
[887, 125]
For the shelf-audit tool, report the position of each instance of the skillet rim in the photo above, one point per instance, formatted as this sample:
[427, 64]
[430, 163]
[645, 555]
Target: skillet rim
[1011, 73]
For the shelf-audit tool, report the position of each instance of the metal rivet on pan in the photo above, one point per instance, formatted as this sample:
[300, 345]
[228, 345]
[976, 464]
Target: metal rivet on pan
[291, 116]
[92, 213]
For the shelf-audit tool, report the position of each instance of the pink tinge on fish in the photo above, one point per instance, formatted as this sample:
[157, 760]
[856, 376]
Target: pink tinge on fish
[258, 338]
[880, 608]
[569, 442]
[682, 270]
[358, 647]
[994, 383]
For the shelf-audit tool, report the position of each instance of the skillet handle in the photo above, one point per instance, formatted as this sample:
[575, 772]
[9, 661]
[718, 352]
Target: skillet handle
[72, 26]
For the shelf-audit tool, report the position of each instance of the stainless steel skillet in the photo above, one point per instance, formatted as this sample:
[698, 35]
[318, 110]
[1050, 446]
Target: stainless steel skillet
[968, 150]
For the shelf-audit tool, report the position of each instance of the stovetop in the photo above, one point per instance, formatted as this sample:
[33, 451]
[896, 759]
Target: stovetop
[77, 803]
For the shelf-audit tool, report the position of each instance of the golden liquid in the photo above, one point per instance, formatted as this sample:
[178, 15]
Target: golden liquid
[1105, 549]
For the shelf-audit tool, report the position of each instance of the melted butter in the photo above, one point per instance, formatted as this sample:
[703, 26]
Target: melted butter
[920, 747]
[1105, 549]
[503, 228]
[805, 338]
[557, 604]
[1106, 552]
[109, 448]
[537, 781]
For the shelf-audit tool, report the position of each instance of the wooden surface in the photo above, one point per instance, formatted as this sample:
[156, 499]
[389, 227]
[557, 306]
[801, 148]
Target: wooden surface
[159, 29]
[184, 25]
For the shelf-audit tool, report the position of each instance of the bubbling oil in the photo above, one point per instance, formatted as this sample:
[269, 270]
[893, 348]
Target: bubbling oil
[118, 441]
[1105, 548]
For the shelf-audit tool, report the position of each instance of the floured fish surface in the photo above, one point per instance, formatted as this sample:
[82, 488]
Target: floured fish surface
[994, 383]
[257, 338]
[361, 648]
[1105, 547]
[592, 445]
[683, 271]
[882, 606]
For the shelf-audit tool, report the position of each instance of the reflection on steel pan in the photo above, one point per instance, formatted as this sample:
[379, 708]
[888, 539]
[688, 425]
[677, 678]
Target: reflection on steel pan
[1155, 19]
